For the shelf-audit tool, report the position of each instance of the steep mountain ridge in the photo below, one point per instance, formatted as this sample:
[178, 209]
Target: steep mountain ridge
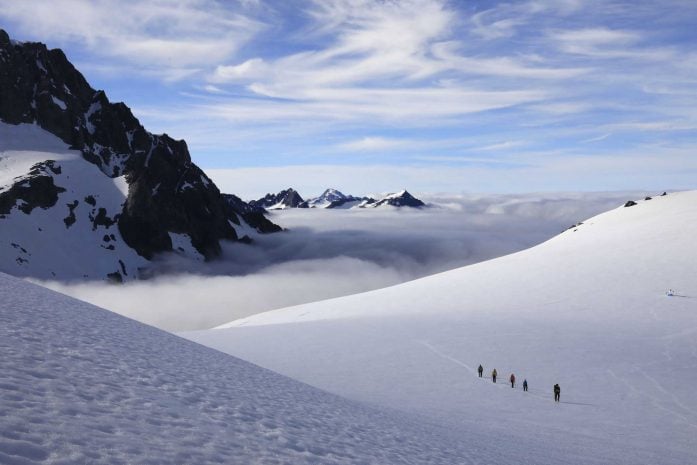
[287, 198]
[332, 198]
[167, 195]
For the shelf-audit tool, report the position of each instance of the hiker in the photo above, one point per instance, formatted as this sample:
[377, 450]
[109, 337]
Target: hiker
[493, 375]
[525, 385]
[557, 392]
[480, 370]
[512, 379]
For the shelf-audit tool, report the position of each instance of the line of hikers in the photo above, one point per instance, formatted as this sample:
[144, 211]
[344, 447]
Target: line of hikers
[494, 374]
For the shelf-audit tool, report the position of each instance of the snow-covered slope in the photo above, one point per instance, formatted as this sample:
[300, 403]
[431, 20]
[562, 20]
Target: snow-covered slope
[79, 384]
[77, 236]
[587, 309]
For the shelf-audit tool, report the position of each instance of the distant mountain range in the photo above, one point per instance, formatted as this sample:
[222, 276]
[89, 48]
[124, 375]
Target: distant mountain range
[333, 198]
[86, 191]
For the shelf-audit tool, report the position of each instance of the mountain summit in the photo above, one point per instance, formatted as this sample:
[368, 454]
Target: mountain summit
[332, 198]
[288, 198]
[399, 199]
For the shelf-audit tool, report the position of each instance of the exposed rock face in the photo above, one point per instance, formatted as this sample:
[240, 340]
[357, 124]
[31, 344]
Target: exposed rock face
[288, 198]
[166, 191]
[400, 199]
[254, 216]
[36, 190]
[331, 198]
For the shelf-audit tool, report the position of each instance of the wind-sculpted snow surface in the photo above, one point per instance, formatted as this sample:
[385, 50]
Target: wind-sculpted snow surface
[587, 309]
[79, 384]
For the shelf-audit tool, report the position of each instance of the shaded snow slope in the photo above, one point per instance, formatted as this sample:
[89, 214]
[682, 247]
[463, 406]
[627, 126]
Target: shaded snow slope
[79, 384]
[586, 309]
[76, 237]
[70, 228]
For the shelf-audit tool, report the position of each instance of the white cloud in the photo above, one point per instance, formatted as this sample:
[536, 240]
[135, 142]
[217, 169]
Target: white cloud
[252, 69]
[373, 143]
[359, 70]
[156, 35]
[595, 36]
[597, 138]
[608, 43]
[504, 20]
[328, 253]
[509, 144]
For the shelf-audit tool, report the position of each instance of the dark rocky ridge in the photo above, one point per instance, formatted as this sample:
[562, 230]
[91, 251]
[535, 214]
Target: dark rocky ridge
[288, 198]
[403, 199]
[37, 190]
[332, 198]
[252, 215]
[167, 191]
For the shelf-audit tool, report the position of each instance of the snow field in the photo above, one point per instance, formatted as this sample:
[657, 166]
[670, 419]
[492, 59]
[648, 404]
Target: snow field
[587, 310]
[83, 385]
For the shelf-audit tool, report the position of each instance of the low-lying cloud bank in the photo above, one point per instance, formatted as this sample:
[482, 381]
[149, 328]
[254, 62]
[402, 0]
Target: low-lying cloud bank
[330, 253]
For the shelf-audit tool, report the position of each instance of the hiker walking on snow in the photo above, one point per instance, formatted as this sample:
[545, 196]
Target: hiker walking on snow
[525, 385]
[512, 379]
[493, 375]
[557, 392]
[480, 370]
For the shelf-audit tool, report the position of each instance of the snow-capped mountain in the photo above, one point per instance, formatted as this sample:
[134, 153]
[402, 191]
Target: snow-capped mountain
[84, 183]
[399, 199]
[83, 385]
[606, 309]
[288, 198]
[332, 198]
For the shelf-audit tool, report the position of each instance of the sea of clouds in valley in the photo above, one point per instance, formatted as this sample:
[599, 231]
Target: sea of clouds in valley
[330, 253]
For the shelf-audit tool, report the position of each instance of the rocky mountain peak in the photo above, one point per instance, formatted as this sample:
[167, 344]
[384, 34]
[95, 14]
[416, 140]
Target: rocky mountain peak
[400, 199]
[167, 192]
[287, 198]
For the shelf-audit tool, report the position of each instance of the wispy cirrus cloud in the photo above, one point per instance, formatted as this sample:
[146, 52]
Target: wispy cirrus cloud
[393, 83]
[168, 38]
[362, 71]
[373, 143]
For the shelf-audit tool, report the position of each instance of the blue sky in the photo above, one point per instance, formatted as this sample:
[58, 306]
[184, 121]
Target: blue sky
[368, 96]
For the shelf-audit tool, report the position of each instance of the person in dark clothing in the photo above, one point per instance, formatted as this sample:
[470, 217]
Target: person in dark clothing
[512, 380]
[557, 392]
[480, 370]
[493, 375]
[525, 385]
